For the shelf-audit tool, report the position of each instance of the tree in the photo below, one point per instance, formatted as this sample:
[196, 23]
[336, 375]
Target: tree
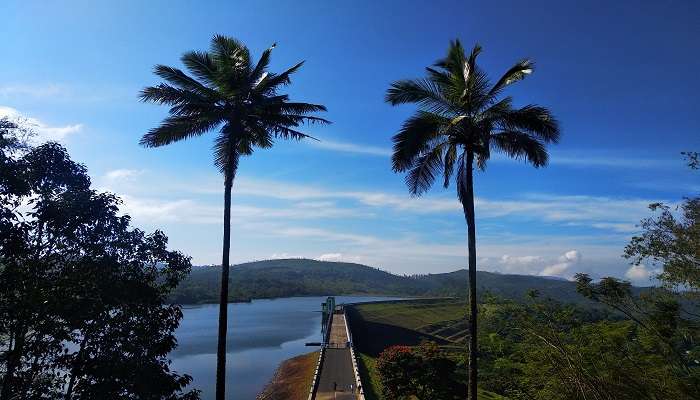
[83, 310]
[424, 372]
[668, 317]
[226, 91]
[672, 241]
[461, 118]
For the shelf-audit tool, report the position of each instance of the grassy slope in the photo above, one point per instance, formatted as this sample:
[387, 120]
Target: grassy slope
[292, 380]
[380, 325]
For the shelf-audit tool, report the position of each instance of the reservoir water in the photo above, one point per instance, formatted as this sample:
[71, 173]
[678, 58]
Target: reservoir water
[262, 334]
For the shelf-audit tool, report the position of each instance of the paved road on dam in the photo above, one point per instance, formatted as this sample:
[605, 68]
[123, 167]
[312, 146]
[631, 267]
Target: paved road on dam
[337, 377]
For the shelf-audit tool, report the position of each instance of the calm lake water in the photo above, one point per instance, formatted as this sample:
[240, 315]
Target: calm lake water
[262, 334]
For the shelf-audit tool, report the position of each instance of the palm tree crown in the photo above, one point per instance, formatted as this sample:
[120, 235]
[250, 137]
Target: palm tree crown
[459, 112]
[226, 91]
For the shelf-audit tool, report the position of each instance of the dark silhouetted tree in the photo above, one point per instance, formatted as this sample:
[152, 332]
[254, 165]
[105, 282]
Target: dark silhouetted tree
[228, 93]
[461, 119]
[83, 312]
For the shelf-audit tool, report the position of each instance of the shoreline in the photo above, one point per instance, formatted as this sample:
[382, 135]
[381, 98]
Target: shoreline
[292, 379]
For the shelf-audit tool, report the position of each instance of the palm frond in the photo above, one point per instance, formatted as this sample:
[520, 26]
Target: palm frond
[230, 52]
[520, 145]
[536, 120]
[257, 73]
[516, 73]
[423, 92]
[301, 108]
[289, 133]
[449, 163]
[228, 148]
[201, 65]
[413, 139]
[461, 179]
[175, 128]
[421, 177]
[271, 82]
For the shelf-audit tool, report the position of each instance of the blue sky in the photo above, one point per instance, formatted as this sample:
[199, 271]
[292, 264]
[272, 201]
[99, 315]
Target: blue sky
[621, 78]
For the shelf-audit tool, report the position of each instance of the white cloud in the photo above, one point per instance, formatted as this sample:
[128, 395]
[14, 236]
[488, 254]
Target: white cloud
[598, 159]
[563, 266]
[44, 132]
[640, 274]
[296, 217]
[123, 174]
[346, 147]
[544, 264]
[610, 161]
[36, 91]
[330, 257]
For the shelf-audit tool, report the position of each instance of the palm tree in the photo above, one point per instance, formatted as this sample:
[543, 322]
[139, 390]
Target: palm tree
[240, 100]
[461, 117]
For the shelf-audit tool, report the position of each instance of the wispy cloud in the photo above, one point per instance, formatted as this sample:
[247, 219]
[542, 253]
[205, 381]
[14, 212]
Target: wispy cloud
[347, 147]
[613, 214]
[300, 216]
[606, 159]
[44, 132]
[33, 90]
[123, 174]
[596, 159]
[62, 93]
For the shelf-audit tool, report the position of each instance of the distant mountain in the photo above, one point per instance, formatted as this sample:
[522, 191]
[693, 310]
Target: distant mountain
[302, 277]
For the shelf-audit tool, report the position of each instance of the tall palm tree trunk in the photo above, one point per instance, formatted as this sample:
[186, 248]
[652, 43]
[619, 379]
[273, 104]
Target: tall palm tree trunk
[468, 206]
[223, 296]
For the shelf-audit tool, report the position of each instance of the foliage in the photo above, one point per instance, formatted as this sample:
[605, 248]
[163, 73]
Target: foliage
[226, 90]
[461, 112]
[82, 295]
[424, 372]
[541, 349]
[672, 242]
[563, 355]
[665, 320]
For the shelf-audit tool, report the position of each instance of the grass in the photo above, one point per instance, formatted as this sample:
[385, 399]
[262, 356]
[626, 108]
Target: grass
[292, 380]
[368, 375]
[376, 326]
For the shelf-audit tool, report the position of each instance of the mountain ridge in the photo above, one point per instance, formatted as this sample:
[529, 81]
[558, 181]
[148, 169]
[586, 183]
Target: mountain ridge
[305, 277]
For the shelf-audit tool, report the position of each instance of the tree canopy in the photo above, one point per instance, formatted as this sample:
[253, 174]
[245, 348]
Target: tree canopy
[82, 294]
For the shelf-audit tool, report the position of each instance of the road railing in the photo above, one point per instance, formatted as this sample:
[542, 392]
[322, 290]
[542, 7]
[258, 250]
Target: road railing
[355, 369]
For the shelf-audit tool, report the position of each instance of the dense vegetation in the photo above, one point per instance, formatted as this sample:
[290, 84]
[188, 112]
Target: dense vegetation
[83, 311]
[534, 349]
[302, 277]
[641, 345]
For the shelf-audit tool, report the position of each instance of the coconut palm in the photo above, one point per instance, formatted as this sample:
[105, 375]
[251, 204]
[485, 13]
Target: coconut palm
[225, 92]
[461, 118]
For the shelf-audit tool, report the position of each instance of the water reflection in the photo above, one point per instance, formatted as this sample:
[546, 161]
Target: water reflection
[261, 335]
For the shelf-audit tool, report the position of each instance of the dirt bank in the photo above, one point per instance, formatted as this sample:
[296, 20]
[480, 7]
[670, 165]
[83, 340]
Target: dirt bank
[292, 380]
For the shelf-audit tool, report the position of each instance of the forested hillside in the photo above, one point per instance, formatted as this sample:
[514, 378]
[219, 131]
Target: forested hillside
[302, 277]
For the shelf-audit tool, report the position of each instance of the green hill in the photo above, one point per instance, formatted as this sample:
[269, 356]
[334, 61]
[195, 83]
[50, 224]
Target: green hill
[302, 277]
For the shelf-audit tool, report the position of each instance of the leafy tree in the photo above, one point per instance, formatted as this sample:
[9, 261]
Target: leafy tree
[424, 372]
[461, 119]
[667, 318]
[226, 91]
[83, 311]
[562, 354]
[396, 365]
[672, 241]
